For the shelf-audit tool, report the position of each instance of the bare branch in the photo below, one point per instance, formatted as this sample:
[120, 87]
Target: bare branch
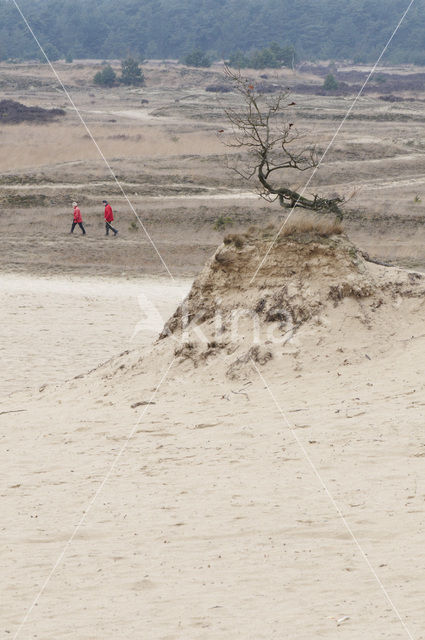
[272, 146]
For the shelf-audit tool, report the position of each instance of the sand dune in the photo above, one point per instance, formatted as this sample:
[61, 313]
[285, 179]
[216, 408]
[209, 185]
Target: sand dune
[212, 522]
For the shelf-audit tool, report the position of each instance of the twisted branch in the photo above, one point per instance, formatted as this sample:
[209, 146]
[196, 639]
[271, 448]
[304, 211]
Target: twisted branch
[269, 140]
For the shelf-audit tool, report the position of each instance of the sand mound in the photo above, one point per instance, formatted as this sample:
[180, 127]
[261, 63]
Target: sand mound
[316, 305]
[309, 281]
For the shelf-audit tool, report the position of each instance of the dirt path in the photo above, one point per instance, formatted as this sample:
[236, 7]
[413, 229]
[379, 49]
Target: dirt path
[212, 192]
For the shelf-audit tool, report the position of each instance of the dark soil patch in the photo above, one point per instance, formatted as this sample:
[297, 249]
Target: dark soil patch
[12, 112]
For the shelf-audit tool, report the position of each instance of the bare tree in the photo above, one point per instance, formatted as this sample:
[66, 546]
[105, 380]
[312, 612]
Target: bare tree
[273, 146]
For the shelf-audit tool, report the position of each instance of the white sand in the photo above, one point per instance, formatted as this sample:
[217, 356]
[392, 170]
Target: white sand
[55, 328]
[212, 524]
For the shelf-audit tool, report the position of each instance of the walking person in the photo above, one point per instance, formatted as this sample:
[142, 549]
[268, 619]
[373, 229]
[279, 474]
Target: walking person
[77, 219]
[109, 217]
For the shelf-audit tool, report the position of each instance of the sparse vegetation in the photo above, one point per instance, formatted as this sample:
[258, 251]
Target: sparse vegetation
[222, 222]
[12, 112]
[43, 160]
[323, 226]
[236, 239]
[197, 58]
[105, 78]
[272, 57]
[300, 223]
[218, 88]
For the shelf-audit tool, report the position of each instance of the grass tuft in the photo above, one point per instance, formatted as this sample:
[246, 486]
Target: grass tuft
[302, 223]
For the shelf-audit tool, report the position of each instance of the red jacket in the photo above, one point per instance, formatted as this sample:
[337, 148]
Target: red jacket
[109, 216]
[77, 215]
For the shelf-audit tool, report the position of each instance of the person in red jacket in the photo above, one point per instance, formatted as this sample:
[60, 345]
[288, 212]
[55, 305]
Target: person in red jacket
[109, 217]
[77, 219]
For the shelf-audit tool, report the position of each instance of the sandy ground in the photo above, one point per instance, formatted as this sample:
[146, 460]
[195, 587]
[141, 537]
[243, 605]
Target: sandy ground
[56, 328]
[157, 497]
[193, 511]
[212, 524]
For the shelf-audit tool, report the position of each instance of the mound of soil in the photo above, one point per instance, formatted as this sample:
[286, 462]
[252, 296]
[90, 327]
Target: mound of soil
[308, 281]
[316, 305]
[315, 309]
[299, 276]
[12, 112]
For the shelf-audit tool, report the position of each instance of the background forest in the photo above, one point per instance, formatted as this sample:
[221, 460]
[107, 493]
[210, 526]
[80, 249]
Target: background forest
[317, 29]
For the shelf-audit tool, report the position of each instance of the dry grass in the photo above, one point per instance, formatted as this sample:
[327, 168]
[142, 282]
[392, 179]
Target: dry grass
[170, 146]
[236, 239]
[322, 225]
[299, 223]
[27, 145]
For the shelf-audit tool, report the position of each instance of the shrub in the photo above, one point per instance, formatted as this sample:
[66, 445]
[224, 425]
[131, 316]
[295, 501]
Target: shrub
[197, 58]
[330, 83]
[106, 77]
[222, 222]
[235, 239]
[131, 73]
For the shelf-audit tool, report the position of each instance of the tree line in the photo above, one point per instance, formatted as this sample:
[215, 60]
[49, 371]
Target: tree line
[314, 29]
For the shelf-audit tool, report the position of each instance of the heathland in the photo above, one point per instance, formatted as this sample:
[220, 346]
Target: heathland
[255, 471]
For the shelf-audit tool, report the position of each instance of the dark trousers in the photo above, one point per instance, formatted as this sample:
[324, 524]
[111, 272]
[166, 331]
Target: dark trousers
[109, 226]
[80, 224]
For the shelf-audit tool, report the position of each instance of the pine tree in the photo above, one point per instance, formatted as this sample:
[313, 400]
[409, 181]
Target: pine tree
[131, 73]
[106, 77]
